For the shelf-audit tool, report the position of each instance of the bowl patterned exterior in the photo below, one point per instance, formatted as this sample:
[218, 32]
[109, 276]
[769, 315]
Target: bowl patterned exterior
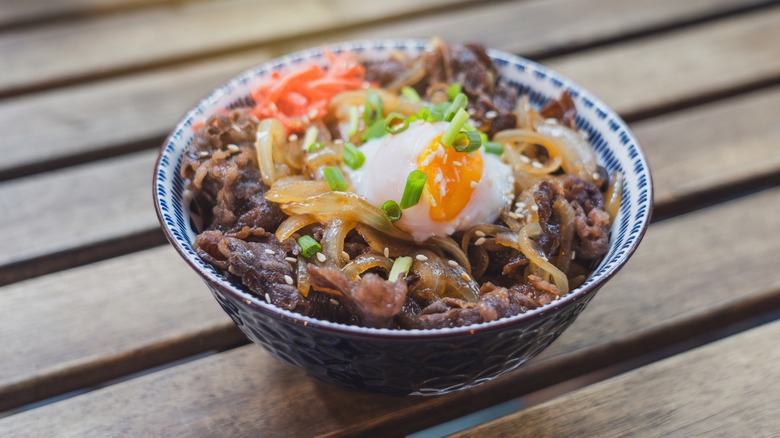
[425, 362]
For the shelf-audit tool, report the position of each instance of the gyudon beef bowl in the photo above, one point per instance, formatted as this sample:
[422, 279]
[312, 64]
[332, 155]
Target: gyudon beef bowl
[404, 217]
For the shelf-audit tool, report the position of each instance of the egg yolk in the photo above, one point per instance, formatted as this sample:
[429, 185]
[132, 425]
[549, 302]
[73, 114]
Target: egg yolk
[452, 178]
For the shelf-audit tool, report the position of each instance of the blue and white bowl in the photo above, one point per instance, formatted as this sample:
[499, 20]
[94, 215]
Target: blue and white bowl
[412, 361]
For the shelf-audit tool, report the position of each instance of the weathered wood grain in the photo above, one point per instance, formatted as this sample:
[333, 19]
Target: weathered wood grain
[107, 117]
[134, 39]
[102, 321]
[245, 391]
[14, 13]
[690, 64]
[728, 388]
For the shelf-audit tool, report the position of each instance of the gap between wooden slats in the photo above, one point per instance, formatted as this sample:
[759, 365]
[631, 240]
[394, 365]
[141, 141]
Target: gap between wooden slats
[245, 391]
[729, 388]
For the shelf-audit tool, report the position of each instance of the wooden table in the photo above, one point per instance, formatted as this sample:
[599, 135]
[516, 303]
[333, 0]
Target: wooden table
[106, 332]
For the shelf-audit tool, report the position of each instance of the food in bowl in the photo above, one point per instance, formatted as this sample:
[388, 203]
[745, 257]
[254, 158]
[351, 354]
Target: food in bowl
[405, 193]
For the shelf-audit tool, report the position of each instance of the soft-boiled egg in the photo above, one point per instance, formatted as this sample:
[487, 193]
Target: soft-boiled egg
[462, 189]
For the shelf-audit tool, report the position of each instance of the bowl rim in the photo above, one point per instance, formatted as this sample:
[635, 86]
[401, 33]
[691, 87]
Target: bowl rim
[259, 304]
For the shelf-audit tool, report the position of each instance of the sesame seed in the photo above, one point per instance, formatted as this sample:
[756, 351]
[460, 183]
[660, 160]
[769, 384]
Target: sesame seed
[269, 251]
[268, 298]
[233, 148]
[528, 218]
[513, 215]
[321, 257]
[471, 111]
[491, 115]
[534, 208]
[525, 159]
[453, 263]
[457, 163]
[595, 176]
[288, 279]
[537, 165]
[479, 241]
[573, 255]
[465, 276]
[473, 184]
[203, 153]
[520, 204]
[305, 323]
[292, 137]
[387, 252]
[480, 233]
[291, 259]
[421, 257]
[235, 127]
[551, 121]
[334, 302]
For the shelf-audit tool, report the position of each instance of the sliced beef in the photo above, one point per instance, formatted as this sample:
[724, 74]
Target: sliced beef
[373, 299]
[592, 222]
[446, 312]
[221, 167]
[545, 196]
[562, 109]
[499, 302]
[261, 266]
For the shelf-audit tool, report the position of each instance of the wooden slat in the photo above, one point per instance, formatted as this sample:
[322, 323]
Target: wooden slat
[682, 66]
[245, 391]
[75, 207]
[17, 13]
[729, 388]
[160, 35]
[713, 148]
[82, 123]
[89, 121]
[101, 321]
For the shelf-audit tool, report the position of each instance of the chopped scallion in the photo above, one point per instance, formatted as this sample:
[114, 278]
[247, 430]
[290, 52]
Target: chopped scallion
[468, 141]
[354, 121]
[352, 156]
[314, 146]
[453, 90]
[309, 246]
[453, 130]
[413, 189]
[375, 130]
[494, 148]
[396, 128]
[335, 178]
[457, 104]
[400, 268]
[434, 115]
[310, 138]
[392, 210]
[410, 94]
[374, 109]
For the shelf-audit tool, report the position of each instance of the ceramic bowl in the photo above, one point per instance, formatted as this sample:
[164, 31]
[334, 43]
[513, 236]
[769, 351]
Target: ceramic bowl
[424, 362]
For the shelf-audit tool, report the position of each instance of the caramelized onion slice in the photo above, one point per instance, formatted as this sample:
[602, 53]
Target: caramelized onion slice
[364, 262]
[292, 224]
[533, 253]
[270, 135]
[565, 211]
[614, 196]
[346, 206]
[333, 240]
[294, 189]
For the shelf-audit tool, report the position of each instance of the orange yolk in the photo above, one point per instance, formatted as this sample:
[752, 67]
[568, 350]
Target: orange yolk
[452, 178]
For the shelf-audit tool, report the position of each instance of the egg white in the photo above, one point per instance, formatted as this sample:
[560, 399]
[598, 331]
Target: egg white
[391, 158]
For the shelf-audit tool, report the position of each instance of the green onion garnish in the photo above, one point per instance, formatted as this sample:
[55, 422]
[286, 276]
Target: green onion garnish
[400, 267]
[309, 246]
[352, 157]
[397, 127]
[453, 90]
[314, 146]
[457, 104]
[494, 148]
[335, 178]
[468, 141]
[374, 108]
[410, 94]
[375, 130]
[354, 115]
[310, 138]
[392, 210]
[413, 189]
[453, 130]
[434, 115]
